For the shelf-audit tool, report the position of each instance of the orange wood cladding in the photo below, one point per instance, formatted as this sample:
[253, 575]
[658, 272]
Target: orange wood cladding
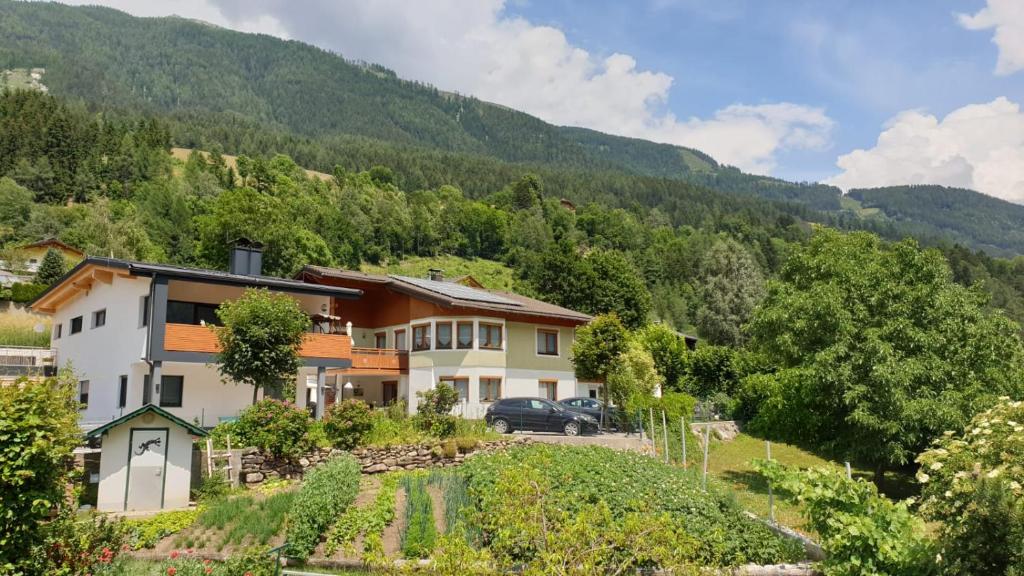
[191, 338]
[379, 359]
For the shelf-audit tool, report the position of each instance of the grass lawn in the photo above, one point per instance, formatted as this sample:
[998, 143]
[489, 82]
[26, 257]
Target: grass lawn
[18, 328]
[730, 462]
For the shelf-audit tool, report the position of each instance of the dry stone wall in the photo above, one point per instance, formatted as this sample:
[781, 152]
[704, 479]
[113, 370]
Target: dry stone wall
[257, 467]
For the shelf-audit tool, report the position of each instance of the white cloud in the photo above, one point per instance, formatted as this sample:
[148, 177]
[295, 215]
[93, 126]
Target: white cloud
[1007, 17]
[477, 48]
[979, 146]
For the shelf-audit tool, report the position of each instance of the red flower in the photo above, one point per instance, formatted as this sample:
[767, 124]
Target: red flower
[208, 570]
[172, 571]
[174, 554]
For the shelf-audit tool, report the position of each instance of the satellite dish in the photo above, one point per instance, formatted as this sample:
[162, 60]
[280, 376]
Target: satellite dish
[39, 328]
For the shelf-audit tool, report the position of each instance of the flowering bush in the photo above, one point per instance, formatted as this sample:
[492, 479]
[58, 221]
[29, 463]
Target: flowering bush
[280, 428]
[972, 483]
[347, 423]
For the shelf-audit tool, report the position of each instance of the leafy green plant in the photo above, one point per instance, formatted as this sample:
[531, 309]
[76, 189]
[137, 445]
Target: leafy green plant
[39, 429]
[277, 427]
[433, 413]
[325, 493]
[862, 532]
[148, 532]
[419, 535]
[73, 544]
[347, 423]
[573, 478]
[368, 520]
[212, 487]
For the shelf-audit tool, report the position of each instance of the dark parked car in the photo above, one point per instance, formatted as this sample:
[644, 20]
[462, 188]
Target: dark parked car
[537, 415]
[613, 417]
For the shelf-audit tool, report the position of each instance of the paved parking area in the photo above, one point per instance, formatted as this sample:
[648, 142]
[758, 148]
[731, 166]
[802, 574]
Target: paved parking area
[616, 440]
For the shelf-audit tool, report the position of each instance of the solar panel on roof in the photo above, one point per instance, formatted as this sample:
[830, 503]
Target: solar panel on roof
[458, 291]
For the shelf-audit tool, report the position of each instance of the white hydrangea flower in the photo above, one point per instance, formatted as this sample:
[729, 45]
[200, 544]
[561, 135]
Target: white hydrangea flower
[923, 478]
[936, 466]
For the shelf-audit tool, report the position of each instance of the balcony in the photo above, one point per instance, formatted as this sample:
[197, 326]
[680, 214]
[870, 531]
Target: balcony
[201, 339]
[382, 361]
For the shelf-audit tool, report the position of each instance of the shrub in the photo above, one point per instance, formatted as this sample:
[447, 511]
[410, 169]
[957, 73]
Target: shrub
[449, 449]
[434, 412]
[327, 490]
[437, 401]
[973, 484]
[860, 531]
[277, 427]
[347, 423]
[73, 544]
[38, 431]
[24, 293]
[212, 487]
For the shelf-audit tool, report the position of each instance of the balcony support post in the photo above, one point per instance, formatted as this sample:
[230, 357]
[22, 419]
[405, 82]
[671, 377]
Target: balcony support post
[321, 384]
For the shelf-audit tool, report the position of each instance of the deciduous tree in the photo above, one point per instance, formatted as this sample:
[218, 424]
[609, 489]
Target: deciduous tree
[260, 339]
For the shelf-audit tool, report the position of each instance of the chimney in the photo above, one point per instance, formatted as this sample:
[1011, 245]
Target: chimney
[436, 274]
[246, 258]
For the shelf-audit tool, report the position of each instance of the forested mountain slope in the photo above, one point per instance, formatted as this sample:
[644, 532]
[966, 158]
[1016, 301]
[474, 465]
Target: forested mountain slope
[962, 215]
[111, 59]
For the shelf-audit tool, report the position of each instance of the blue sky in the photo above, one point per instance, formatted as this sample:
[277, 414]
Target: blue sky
[856, 93]
[862, 61]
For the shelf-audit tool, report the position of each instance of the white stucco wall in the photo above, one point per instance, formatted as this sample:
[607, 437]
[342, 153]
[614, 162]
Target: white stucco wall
[101, 355]
[114, 464]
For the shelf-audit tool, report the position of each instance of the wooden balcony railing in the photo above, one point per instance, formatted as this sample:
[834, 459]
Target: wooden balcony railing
[380, 359]
[192, 338]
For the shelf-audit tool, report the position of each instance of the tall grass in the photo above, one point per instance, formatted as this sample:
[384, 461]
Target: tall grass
[456, 501]
[261, 522]
[18, 328]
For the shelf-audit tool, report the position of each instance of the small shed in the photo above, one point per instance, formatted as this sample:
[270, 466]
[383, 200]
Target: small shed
[145, 461]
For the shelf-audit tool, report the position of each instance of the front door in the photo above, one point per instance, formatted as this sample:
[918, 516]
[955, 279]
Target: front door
[390, 392]
[147, 464]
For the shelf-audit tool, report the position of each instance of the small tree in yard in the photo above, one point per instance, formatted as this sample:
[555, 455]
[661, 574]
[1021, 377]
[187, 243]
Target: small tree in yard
[434, 409]
[598, 348]
[51, 268]
[260, 339]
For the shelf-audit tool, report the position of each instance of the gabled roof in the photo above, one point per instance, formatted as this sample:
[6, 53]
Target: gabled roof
[81, 272]
[54, 243]
[195, 430]
[451, 294]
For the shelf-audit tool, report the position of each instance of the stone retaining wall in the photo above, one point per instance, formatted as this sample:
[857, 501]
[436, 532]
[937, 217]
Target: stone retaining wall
[257, 467]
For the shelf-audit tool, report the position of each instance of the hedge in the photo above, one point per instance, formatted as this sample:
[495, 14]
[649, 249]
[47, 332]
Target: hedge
[326, 492]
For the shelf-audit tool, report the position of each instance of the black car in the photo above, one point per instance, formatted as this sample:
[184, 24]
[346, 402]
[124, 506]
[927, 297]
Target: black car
[613, 417]
[537, 415]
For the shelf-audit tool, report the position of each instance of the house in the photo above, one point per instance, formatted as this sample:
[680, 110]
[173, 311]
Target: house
[487, 344]
[33, 253]
[136, 333]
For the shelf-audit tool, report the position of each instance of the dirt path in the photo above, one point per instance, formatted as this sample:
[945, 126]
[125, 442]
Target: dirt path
[437, 502]
[392, 539]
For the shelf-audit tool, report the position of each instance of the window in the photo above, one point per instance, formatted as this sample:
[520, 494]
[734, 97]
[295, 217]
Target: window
[170, 391]
[144, 311]
[547, 342]
[444, 335]
[540, 405]
[421, 337]
[464, 341]
[548, 389]
[490, 336]
[122, 392]
[99, 318]
[76, 324]
[83, 394]
[400, 340]
[191, 313]
[461, 385]
[57, 330]
[380, 340]
[490, 389]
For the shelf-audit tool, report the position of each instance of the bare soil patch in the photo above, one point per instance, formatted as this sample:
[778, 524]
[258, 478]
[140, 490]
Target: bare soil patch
[391, 538]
